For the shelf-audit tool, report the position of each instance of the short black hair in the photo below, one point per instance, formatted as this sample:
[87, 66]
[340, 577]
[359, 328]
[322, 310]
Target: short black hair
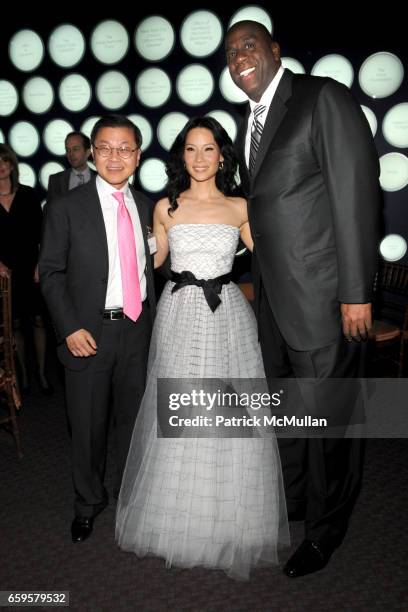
[254, 24]
[85, 140]
[114, 121]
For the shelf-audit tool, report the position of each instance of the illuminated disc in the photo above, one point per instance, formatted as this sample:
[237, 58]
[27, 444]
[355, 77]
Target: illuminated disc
[66, 45]
[154, 38]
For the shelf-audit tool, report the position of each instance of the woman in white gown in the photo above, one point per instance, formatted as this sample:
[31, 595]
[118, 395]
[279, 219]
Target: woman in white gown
[216, 502]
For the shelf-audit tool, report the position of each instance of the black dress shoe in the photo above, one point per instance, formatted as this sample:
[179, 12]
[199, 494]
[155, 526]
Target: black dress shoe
[81, 528]
[308, 558]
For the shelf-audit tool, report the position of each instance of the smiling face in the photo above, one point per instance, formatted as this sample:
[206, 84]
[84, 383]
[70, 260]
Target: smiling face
[253, 58]
[114, 169]
[202, 154]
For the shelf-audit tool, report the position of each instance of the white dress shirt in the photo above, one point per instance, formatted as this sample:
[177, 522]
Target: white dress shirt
[266, 101]
[109, 205]
[74, 179]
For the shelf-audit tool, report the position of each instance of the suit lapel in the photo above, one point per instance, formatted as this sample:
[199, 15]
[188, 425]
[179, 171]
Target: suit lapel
[277, 111]
[91, 207]
[65, 181]
[240, 147]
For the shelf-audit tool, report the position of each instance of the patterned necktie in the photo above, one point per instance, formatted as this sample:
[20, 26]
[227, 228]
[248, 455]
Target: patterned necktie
[132, 302]
[81, 178]
[256, 134]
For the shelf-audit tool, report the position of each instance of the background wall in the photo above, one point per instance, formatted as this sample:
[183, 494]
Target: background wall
[304, 35]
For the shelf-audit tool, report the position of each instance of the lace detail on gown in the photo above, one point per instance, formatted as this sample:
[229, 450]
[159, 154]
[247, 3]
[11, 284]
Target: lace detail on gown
[213, 502]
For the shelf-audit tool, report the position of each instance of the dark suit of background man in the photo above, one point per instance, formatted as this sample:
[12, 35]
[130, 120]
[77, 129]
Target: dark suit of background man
[81, 276]
[78, 150]
[314, 202]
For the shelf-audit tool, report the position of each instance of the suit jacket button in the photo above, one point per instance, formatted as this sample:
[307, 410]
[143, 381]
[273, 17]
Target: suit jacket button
[104, 281]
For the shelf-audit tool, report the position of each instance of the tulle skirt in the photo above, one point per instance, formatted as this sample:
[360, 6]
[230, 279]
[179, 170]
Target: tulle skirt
[216, 502]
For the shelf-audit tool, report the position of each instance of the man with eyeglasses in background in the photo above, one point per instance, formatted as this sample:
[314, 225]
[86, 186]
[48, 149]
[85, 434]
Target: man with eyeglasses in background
[96, 275]
[78, 150]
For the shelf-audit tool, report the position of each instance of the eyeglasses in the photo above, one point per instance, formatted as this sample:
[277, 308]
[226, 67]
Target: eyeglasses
[123, 152]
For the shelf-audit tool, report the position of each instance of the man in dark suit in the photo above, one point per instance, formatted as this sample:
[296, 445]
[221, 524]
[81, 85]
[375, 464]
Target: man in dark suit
[310, 170]
[97, 278]
[78, 150]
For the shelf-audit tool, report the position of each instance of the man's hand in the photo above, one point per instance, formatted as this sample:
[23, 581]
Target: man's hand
[357, 320]
[81, 343]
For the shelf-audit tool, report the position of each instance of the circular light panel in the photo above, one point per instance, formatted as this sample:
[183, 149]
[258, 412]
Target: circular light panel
[146, 129]
[24, 138]
[54, 135]
[381, 74]
[201, 33]
[395, 125]
[371, 118]
[109, 42]
[112, 90]
[394, 171]
[229, 90]
[153, 87]
[8, 98]
[26, 50]
[87, 126]
[152, 175]
[75, 92]
[66, 45]
[335, 66]
[154, 38]
[252, 13]
[195, 84]
[46, 170]
[293, 64]
[26, 175]
[393, 247]
[227, 122]
[169, 126]
[38, 95]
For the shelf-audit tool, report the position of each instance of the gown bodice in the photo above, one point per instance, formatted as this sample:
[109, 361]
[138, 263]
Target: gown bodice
[205, 249]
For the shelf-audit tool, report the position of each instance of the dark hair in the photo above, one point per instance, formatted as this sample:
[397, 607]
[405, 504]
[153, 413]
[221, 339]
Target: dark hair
[86, 143]
[253, 24]
[178, 178]
[114, 121]
[7, 154]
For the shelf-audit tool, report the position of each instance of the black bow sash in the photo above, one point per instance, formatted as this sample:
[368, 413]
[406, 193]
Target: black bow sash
[211, 287]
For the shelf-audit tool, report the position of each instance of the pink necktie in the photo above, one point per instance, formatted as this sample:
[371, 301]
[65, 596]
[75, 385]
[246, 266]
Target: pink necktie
[132, 303]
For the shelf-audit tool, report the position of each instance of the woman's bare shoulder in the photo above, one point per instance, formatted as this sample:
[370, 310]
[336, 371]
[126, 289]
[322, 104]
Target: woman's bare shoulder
[161, 207]
[237, 201]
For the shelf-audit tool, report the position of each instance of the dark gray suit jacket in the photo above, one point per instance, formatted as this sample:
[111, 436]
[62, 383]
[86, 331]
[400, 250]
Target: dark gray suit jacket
[314, 207]
[74, 264]
[58, 183]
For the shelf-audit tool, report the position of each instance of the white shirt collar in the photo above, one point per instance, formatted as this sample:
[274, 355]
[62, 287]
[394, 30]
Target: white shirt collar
[107, 189]
[269, 92]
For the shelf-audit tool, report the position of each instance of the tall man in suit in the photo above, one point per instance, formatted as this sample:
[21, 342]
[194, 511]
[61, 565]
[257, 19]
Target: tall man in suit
[97, 279]
[310, 171]
[78, 150]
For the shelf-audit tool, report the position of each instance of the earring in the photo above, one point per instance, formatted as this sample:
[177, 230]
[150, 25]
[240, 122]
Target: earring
[221, 165]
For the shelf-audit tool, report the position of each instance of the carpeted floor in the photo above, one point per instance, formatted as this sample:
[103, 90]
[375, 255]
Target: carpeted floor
[369, 572]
